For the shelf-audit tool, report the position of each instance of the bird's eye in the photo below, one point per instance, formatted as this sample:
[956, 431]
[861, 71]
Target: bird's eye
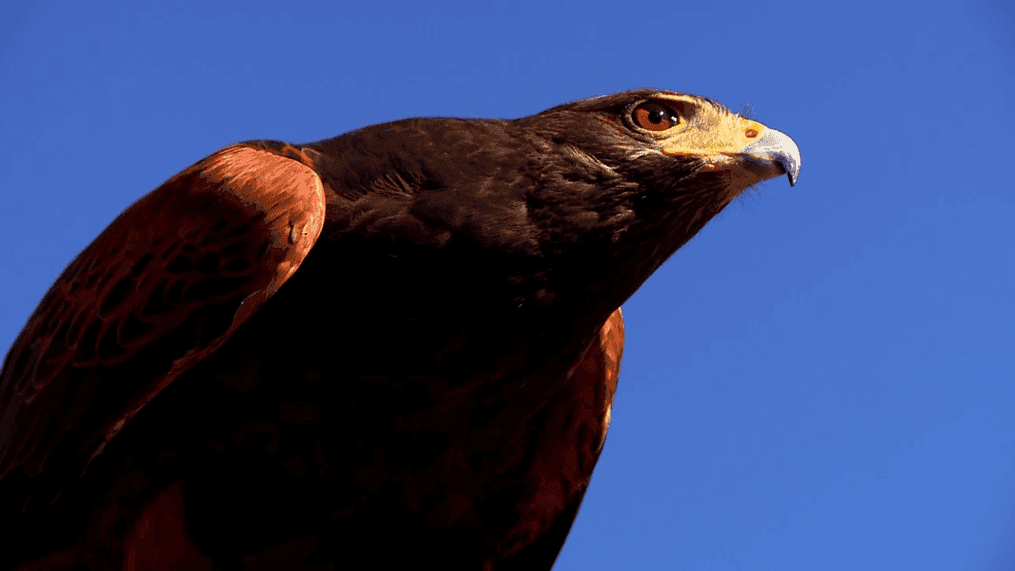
[653, 116]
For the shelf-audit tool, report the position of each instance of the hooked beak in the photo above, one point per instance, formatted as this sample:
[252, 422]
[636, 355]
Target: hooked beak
[775, 147]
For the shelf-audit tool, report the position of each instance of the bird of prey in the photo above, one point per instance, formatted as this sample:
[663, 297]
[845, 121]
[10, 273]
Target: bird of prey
[395, 348]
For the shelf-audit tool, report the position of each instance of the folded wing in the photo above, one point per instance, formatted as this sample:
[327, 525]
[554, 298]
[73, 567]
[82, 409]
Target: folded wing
[165, 285]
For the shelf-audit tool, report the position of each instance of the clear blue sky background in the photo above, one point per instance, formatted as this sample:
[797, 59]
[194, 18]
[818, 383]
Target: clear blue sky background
[823, 379]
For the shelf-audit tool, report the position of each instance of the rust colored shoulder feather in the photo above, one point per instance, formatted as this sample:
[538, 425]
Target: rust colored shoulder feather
[135, 304]
[574, 439]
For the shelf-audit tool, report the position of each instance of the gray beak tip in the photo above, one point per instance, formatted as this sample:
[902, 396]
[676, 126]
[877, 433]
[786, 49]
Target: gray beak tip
[777, 147]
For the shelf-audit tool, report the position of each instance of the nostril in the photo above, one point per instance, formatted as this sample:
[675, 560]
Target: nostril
[751, 133]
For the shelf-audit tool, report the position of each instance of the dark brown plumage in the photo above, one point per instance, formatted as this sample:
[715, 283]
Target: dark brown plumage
[399, 345]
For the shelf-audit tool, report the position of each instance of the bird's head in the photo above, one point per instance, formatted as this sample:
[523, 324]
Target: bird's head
[626, 127]
[593, 192]
[639, 173]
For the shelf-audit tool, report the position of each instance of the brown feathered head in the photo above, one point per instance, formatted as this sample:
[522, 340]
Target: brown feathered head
[592, 195]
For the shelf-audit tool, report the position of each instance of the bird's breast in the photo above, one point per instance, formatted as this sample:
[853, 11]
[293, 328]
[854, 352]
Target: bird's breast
[449, 417]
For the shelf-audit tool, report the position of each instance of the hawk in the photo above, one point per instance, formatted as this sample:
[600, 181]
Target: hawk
[397, 347]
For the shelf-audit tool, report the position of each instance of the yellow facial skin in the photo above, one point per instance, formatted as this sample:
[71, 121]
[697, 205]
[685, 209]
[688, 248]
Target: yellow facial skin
[746, 151]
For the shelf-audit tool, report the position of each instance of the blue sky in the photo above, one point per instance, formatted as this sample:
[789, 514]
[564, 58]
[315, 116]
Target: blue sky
[823, 379]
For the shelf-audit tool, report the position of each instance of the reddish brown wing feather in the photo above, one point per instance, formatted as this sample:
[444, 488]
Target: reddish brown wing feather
[229, 230]
[582, 419]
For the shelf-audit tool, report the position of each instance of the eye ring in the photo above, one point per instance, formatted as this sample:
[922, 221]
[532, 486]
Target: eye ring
[654, 116]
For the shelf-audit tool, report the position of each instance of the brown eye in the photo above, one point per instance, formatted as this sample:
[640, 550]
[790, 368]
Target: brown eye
[653, 116]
